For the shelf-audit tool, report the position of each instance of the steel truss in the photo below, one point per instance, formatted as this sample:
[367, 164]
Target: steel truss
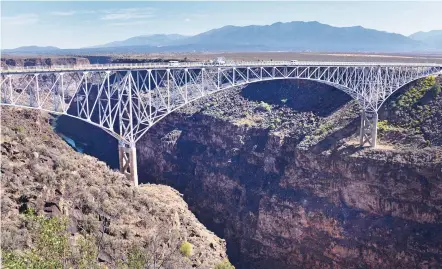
[127, 101]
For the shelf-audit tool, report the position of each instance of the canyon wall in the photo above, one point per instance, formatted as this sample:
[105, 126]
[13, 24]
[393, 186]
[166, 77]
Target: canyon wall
[307, 198]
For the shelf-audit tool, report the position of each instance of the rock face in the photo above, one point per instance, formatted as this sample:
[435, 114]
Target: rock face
[303, 199]
[41, 172]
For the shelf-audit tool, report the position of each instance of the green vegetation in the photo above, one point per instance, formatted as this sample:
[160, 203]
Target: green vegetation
[413, 95]
[87, 252]
[249, 120]
[19, 129]
[51, 248]
[414, 107]
[324, 128]
[224, 265]
[383, 126]
[136, 259]
[265, 106]
[186, 249]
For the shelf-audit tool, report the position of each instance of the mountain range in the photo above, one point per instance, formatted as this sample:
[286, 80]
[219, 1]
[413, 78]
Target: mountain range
[146, 40]
[290, 36]
[432, 38]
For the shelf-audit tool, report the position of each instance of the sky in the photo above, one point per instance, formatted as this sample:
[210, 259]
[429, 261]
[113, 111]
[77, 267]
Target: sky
[75, 24]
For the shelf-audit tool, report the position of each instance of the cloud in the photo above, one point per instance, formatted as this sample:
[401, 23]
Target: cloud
[129, 14]
[87, 11]
[63, 13]
[125, 23]
[21, 19]
[187, 20]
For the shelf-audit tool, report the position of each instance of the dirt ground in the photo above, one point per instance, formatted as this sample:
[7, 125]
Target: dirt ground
[257, 56]
[307, 56]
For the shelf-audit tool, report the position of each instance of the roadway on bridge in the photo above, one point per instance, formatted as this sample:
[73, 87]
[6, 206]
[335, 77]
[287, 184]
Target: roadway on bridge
[199, 65]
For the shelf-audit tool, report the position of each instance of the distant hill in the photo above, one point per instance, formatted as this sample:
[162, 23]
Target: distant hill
[432, 38]
[158, 40]
[27, 49]
[291, 36]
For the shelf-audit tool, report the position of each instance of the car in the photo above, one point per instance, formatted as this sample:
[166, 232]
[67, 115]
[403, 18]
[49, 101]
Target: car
[220, 61]
[174, 63]
[293, 61]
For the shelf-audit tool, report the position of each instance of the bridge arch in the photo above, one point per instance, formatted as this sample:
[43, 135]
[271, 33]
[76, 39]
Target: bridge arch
[405, 84]
[229, 87]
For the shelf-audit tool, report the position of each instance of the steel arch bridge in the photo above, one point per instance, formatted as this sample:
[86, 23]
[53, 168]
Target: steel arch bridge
[126, 100]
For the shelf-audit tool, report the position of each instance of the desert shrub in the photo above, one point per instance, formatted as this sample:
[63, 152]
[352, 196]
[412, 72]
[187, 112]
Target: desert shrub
[62, 162]
[51, 248]
[265, 106]
[87, 252]
[383, 126]
[153, 256]
[13, 260]
[111, 192]
[186, 249]
[137, 258]
[19, 129]
[12, 238]
[324, 128]
[224, 265]
[89, 224]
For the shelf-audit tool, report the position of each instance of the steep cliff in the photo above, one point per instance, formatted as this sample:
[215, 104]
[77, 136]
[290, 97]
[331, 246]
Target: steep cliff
[288, 187]
[40, 171]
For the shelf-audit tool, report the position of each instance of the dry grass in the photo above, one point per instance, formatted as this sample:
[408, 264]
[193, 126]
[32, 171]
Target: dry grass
[249, 120]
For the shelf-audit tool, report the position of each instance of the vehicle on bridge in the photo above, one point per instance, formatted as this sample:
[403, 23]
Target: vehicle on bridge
[220, 61]
[174, 63]
[292, 62]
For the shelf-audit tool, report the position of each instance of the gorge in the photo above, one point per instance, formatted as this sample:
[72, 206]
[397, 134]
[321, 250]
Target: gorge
[288, 187]
[275, 169]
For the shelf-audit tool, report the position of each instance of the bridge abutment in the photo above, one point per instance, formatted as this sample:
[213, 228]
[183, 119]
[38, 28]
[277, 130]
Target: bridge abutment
[369, 128]
[128, 162]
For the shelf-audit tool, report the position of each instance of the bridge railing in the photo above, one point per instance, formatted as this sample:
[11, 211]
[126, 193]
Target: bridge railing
[128, 66]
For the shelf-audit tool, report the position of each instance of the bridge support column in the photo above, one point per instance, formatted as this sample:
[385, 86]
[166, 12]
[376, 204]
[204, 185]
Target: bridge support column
[369, 128]
[128, 162]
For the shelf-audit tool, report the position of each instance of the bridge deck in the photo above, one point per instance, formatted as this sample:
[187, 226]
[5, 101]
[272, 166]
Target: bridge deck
[197, 65]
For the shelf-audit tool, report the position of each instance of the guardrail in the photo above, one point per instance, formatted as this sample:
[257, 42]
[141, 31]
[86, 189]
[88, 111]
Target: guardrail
[129, 66]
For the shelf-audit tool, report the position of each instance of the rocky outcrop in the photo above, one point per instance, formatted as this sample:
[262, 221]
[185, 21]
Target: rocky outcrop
[299, 193]
[41, 172]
